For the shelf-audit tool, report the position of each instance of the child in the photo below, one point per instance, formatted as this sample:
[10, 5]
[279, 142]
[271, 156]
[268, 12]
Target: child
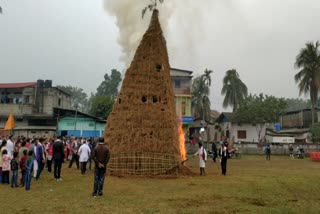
[5, 166]
[23, 163]
[29, 168]
[14, 168]
[2, 147]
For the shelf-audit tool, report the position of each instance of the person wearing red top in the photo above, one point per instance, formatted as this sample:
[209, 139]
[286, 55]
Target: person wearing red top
[28, 144]
[23, 162]
[49, 150]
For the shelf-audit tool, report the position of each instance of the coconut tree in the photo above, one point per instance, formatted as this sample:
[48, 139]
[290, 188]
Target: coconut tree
[308, 77]
[206, 77]
[200, 96]
[234, 90]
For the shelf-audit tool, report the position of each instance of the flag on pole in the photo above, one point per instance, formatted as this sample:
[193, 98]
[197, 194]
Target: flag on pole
[10, 123]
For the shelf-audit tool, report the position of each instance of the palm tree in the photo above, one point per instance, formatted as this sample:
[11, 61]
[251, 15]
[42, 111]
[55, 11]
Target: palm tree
[206, 77]
[200, 96]
[234, 89]
[308, 78]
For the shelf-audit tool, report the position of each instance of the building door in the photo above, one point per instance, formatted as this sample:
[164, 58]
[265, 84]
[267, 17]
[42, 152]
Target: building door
[64, 133]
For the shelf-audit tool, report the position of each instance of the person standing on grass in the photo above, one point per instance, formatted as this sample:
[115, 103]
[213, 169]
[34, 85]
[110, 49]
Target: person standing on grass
[5, 166]
[2, 148]
[58, 156]
[22, 148]
[224, 155]
[214, 152]
[33, 147]
[40, 157]
[14, 168]
[10, 146]
[291, 151]
[84, 154]
[268, 151]
[202, 154]
[75, 156]
[101, 156]
[23, 163]
[92, 144]
[29, 169]
[49, 151]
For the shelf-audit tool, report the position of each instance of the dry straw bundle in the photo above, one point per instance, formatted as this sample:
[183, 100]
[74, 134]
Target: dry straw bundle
[142, 130]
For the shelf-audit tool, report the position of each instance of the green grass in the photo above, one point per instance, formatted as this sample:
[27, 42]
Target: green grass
[252, 185]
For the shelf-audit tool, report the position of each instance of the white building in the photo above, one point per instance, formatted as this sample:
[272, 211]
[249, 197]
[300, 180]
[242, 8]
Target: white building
[238, 132]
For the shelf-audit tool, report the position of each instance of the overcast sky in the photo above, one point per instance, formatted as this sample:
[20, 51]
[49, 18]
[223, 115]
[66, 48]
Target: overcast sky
[76, 41]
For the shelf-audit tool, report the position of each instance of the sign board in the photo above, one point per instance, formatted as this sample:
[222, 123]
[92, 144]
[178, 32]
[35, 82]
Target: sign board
[187, 119]
[282, 139]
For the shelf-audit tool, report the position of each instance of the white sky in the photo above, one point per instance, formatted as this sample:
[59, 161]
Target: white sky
[75, 41]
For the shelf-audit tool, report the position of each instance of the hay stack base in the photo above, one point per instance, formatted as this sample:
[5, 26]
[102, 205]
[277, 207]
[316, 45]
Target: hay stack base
[143, 163]
[147, 165]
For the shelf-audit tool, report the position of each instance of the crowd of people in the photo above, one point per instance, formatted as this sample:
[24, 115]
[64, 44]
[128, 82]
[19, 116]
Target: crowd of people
[299, 152]
[32, 155]
[224, 154]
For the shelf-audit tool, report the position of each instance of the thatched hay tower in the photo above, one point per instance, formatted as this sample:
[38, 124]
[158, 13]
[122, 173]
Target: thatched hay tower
[142, 130]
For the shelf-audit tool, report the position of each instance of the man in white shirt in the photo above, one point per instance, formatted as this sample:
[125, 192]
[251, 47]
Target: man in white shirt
[10, 146]
[84, 154]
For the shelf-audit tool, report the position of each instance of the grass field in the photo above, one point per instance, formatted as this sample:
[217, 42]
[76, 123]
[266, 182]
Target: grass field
[252, 185]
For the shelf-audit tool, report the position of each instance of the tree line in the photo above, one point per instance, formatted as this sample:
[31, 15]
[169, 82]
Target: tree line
[254, 108]
[260, 108]
[100, 103]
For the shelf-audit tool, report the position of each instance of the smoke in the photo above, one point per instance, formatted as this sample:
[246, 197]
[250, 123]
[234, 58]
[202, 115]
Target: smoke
[131, 25]
[182, 22]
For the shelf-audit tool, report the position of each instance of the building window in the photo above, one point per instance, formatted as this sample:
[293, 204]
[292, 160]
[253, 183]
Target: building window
[19, 119]
[242, 134]
[59, 102]
[177, 83]
[26, 100]
[183, 108]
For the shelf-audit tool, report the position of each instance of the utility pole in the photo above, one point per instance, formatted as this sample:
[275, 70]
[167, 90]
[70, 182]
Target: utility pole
[75, 120]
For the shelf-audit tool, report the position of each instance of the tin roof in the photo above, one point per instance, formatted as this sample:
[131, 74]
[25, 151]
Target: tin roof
[17, 85]
[180, 73]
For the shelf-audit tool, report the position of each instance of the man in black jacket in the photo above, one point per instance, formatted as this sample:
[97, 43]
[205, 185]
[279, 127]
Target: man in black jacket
[101, 156]
[224, 155]
[58, 156]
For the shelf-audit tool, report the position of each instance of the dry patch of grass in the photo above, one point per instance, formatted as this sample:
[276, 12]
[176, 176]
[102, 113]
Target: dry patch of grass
[252, 185]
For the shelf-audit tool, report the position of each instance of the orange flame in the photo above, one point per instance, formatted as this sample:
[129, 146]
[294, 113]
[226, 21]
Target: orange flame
[182, 144]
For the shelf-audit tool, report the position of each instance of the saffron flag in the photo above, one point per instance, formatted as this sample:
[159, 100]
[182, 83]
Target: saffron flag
[10, 123]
